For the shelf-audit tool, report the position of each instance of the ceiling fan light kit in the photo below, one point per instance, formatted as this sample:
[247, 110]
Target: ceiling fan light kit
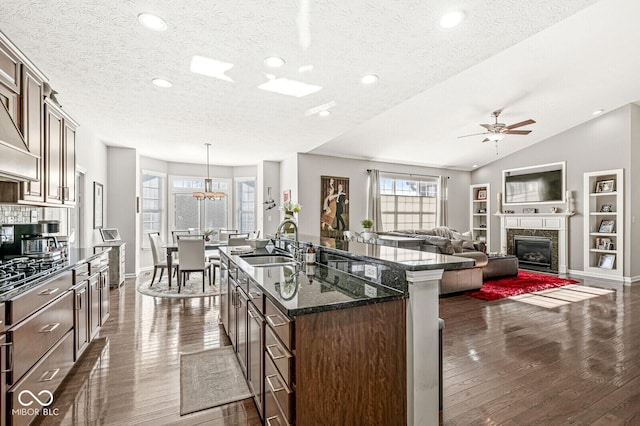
[497, 131]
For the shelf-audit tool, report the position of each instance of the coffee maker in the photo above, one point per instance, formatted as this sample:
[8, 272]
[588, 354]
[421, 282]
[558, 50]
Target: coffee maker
[31, 240]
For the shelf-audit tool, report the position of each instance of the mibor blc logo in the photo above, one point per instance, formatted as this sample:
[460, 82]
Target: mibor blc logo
[32, 402]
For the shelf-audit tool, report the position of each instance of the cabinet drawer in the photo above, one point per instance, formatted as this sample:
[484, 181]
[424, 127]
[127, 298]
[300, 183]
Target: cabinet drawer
[80, 273]
[272, 414]
[96, 263]
[279, 355]
[279, 323]
[256, 296]
[24, 304]
[44, 376]
[33, 337]
[275, 385]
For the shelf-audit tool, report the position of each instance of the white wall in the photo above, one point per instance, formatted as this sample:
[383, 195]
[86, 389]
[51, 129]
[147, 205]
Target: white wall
[633, 224]
[602, 143]
[267, 176]
[91, 157]
[312, 167]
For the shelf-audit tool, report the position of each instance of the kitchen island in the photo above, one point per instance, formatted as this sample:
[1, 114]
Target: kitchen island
[335, 342]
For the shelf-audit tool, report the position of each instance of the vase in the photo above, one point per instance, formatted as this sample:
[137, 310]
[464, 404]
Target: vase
[288, 228]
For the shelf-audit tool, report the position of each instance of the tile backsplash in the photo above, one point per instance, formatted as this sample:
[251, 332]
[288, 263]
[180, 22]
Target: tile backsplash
[18, 214]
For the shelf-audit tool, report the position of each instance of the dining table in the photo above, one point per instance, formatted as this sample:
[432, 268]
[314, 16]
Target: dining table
[173, 248]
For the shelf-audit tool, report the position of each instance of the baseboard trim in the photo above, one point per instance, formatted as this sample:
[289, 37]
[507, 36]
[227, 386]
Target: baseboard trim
[628, 281]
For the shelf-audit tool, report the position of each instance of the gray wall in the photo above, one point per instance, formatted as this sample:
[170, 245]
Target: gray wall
[602, 143]
[312, 167]
[123, 188]
[267, 176]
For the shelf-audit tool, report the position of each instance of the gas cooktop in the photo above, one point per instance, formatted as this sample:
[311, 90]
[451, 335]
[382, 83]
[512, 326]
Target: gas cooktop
[19, 271]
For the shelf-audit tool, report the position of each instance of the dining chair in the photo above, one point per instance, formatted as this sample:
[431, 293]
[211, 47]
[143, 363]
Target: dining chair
[254, 235]
[237, 240]
[175, 233]
[191, 253]
[159, 261]
[225, 233]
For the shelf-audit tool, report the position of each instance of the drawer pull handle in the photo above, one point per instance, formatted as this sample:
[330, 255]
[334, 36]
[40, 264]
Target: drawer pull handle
[79, 301]
[273, 421]
[48, 291]
[10, 356]
[49, 327]
[51, 374]
[274, 357]
[273, 323]
[273, 388]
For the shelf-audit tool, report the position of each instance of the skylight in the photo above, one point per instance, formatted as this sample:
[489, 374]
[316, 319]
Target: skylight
[211, 67]
[284, 86]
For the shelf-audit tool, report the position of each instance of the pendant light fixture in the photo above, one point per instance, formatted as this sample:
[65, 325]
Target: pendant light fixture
[208, 193]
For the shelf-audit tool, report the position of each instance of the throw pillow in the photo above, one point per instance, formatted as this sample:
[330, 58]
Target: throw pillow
[467, 241]
[457, 245]
[444, 244]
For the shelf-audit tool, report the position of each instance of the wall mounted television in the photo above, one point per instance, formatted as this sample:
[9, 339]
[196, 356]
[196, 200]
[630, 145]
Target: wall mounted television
[535, 185]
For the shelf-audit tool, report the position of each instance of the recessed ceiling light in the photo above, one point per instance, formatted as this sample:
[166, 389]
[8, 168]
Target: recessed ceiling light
[305, 68]
[284, 86]
[317, 109]
[369, 79]
[211, 67]
[474, 166]
[161, 82]
[451, 19]
[600, 111]
[274, 61]
[324, 113]
[153, 22]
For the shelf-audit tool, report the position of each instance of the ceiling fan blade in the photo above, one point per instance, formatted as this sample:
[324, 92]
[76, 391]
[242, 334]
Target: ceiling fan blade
[486, 140]
[518, 132]
[522, 123]
[475, 134]
[487, 126]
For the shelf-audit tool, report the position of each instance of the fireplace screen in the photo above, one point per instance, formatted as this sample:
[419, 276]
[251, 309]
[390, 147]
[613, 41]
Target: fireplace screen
[533, 252]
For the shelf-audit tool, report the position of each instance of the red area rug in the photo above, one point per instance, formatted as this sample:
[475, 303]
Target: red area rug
[524, 282]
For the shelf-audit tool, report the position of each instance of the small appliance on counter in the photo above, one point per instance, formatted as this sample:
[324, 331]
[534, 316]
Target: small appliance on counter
[31, 240]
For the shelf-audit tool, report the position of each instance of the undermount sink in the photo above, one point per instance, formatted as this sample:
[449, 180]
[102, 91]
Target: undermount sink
[268, 260]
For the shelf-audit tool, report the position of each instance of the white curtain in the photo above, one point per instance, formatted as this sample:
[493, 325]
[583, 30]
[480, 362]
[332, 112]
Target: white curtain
[373, 205]
[442, 212]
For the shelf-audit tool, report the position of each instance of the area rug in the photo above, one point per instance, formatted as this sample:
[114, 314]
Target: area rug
[192, 288]
[524, 282]
[556, 297]
[210, 378]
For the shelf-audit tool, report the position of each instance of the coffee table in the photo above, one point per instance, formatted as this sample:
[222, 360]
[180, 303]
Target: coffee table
[500, 266]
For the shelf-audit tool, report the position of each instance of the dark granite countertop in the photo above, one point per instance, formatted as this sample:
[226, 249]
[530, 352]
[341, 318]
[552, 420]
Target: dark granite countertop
[292, 290]
[75, 257]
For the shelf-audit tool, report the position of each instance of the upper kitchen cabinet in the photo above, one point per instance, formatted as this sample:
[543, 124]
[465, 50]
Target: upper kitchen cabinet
[59, 155]
[48, 132]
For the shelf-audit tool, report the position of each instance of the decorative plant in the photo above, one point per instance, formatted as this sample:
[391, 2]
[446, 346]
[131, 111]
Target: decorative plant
[290, 206]
[367, 223]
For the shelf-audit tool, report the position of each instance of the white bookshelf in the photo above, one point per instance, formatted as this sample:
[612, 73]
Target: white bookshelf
[604, 223]
[480, 213]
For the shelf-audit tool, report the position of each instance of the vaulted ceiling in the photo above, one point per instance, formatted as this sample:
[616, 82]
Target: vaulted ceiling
[553, 61]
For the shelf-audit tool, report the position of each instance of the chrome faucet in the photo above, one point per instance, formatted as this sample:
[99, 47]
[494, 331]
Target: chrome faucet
[295, 250]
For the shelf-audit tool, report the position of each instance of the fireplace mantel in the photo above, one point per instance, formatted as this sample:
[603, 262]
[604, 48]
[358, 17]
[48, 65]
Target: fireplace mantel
[546, 221]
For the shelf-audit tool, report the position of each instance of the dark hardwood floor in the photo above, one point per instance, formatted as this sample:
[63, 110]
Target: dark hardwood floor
[130, 375]
[505, 363]
[511, 363]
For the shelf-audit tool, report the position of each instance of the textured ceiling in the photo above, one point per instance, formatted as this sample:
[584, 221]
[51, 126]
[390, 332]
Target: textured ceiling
[101, 61]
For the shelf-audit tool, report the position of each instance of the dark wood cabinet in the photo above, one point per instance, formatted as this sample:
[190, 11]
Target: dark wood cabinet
[224, 294]
[254, 356]
[32, 127]
[81, 323]
[69, 163]
[94, 304]
[4, 349]
[59, 155]
[11, 101]
[9, 67]
[105, 303]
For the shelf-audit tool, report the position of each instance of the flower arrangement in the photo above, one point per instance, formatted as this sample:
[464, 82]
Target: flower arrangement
[290, 206]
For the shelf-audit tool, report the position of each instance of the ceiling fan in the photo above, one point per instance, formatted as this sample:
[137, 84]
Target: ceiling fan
[497, 131]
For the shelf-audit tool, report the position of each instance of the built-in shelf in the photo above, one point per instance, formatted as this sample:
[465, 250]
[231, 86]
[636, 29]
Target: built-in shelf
[603, 201]
[480, 214]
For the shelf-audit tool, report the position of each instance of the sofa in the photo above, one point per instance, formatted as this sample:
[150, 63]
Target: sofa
[444, 240]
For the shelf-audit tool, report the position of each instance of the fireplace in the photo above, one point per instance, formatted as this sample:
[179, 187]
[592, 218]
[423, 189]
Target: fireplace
[533, 252]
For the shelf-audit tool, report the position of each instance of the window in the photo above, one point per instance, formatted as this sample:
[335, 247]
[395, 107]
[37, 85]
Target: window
[408, 203]
[188, 212]
[152, 205]
[246, 208]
